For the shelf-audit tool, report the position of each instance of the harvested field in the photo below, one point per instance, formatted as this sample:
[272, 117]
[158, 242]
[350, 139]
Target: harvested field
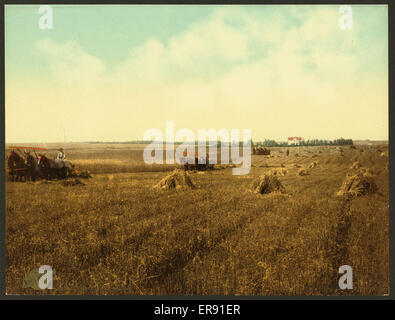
[118, 235]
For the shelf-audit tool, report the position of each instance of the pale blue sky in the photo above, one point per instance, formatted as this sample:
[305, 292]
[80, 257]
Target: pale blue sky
[236, 64]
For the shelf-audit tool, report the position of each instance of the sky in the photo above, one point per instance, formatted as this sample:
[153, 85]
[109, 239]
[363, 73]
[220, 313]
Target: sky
[111, 72]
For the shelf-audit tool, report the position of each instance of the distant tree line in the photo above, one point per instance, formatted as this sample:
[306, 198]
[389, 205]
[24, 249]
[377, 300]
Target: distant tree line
[265, 143]
[121, 142]
[313, 142]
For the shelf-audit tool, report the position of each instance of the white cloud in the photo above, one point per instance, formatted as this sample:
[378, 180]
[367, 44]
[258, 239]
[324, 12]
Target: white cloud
[232, 70]
[70, 64]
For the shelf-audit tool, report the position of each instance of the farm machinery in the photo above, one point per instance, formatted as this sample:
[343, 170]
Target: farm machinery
[261, 151]
[25, 165]
[195, 165]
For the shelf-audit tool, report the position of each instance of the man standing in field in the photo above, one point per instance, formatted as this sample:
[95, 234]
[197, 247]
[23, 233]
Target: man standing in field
[61, 155]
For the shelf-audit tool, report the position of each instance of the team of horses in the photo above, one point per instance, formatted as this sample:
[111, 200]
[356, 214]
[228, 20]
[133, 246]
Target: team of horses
[32, 167]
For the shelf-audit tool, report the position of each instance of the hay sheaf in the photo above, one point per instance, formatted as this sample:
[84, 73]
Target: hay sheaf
[178, 179]
[366, 171]
[355, 165]
[267, 183]
[313, 164]
[303, 172]
[278, 172]
[358, 184]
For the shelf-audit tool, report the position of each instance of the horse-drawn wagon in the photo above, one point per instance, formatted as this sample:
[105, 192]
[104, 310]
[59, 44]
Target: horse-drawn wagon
[24, 166]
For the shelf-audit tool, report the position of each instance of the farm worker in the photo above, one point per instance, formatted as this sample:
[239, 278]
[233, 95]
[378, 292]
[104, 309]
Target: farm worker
[61, 155]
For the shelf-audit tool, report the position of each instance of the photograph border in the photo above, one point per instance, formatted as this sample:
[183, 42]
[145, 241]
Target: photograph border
[4, 296]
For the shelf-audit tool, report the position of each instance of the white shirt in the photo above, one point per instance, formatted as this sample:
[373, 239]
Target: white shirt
[61, 156]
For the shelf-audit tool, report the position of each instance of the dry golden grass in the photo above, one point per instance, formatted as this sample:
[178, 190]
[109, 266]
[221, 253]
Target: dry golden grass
[120, 166]
[116, 235]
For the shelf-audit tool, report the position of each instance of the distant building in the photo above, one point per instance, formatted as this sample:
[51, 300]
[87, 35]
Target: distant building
[294, 140]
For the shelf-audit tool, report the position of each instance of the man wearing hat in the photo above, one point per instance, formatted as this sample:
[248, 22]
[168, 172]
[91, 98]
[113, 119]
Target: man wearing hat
[61, 154]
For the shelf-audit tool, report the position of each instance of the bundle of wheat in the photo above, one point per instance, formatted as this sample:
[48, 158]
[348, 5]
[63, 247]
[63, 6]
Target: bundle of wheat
[178, 179]
[355, 165]
[313, 164]
[278, 172]
[357, 185]
[303, 172]
[366, 171]
[266, 184]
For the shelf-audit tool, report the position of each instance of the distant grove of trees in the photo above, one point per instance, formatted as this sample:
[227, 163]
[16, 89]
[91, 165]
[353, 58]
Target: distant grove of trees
[265, 143]
[121, 142]
[313, 142]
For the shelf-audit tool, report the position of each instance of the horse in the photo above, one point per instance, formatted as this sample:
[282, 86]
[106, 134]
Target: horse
[17, 167]
[54, 168]
[34, 171]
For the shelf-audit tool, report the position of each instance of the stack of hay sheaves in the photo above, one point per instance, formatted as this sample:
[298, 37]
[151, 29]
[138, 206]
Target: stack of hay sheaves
[358, 184]
[177, 179]
[267, 183]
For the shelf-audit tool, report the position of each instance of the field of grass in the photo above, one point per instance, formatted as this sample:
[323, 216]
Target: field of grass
[117, 235]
